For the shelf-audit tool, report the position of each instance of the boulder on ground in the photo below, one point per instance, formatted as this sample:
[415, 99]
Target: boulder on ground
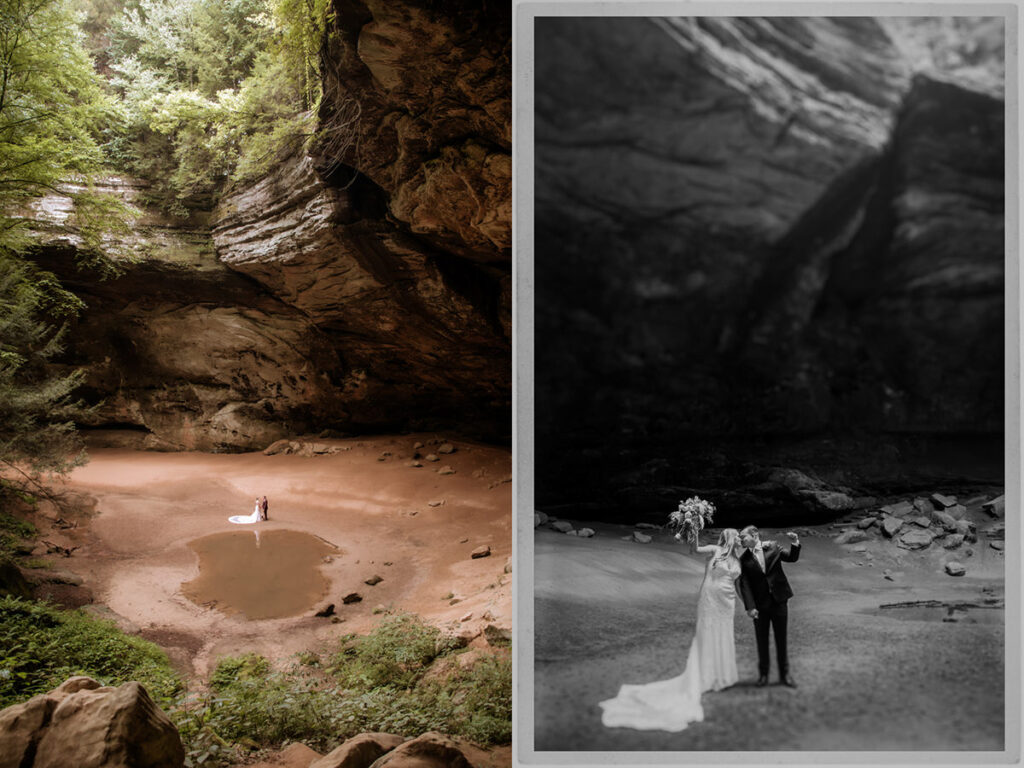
[536, 520]
[943, 518]
[915, 539]
[942, 501]
[955, 569]
[544, 518]
[482, 551]
[923, 506]
[953, 541]
[997, 545]
[446, 448]
[360, 751]
[81, 723]
[957, 511]
[585, 532]
[996, 507]
[920, 521]
[562, 526]
[641, 538]
[962, 527]
[891, 526]
[900, 509]
[373, 581]
[867, 522]
[352, 597]
[431, 750]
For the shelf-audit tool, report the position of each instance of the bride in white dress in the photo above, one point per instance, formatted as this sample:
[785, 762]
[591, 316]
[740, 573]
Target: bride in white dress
[243, 519]
[671, 705]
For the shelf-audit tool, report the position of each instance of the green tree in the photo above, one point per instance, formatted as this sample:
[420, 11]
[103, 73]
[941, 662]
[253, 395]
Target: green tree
[51, 105]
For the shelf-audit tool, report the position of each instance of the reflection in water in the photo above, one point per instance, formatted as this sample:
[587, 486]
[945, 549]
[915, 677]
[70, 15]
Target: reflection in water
[264, 576]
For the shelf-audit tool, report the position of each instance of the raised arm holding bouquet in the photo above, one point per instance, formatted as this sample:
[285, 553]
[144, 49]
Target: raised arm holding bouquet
[692, 516]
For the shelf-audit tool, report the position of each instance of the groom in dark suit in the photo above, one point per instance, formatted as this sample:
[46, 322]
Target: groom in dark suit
[765, 592]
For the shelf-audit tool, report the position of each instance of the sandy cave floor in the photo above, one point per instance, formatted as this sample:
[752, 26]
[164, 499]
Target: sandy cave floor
[365, 500]
[608, 612]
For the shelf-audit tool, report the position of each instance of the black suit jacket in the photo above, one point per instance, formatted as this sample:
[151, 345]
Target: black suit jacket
[756, 586]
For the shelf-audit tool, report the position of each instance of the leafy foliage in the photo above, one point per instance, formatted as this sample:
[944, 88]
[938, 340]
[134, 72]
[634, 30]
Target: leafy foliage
[209, 92]
[41, 646]
[380, 682]
[37, 430]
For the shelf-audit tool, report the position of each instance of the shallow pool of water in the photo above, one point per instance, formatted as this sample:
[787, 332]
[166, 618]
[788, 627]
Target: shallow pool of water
[259, 574]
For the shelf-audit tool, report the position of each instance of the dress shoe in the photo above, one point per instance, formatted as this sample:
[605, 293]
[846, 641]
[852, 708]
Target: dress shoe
[762, 681]
[788, 681]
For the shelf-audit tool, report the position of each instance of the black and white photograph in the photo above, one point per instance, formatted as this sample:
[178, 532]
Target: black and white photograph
[771, 453]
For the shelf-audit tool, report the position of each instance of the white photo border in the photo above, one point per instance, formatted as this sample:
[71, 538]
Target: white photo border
[524, 13]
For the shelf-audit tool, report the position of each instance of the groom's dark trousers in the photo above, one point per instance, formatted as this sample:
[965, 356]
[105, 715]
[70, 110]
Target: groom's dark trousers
[768, 591]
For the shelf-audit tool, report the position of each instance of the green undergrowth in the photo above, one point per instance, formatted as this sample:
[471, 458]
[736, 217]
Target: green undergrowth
[404, 678]
[41, 646]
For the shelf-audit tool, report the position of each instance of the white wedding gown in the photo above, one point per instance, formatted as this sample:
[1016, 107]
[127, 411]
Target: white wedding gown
[243, 519]
[671, 705]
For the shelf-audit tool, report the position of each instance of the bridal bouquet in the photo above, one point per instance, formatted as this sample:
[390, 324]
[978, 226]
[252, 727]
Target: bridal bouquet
[692, 517]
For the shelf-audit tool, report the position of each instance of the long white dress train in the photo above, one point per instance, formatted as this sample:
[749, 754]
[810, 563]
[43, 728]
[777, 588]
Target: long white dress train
[243, 519]
[671, 705]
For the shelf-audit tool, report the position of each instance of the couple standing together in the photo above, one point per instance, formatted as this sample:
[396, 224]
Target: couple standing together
[739, 561]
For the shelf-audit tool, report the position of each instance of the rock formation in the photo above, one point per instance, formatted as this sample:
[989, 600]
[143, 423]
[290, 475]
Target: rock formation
[85, 725]
[364, 287]
[769, 227]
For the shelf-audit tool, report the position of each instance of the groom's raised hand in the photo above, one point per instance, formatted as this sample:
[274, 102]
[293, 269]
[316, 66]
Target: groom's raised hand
[752, 613]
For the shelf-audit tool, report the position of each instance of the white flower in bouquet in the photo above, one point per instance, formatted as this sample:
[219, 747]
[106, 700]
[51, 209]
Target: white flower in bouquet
[692, 516]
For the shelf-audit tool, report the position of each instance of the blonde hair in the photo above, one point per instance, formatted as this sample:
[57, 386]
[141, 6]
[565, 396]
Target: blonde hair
[727, 543]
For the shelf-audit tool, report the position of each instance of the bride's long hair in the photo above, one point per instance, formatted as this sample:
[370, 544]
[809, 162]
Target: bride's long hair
[727, 541]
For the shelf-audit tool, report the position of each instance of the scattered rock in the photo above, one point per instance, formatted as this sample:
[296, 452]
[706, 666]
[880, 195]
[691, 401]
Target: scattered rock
[544, 517]
[466, 618]
[481, 551]
[431, 750]
[923, 506]
[943, 518]
[82, 723]
[431, 457]
[537, 522]
[415, 463]
[891, 526]
[359, 751]
[641, 538]
[920, 522]
[464, 540]
[508, 565]
[417, 445]
[446, 470]
[585, 532]
[899, 509]
[997, 545]
[962, 527]
[915, 539]
[280, 446]
[496, 635]
[957, 511]
[352, 597]
[373, 581]
[851, 537]
[941, 501]
[572, 533]
[647, 526]
[867, 522]
[435, 503]
[562, 526]
[955, 569]
[996, 507]
[953, 541]
[446, 448]
[325, 612]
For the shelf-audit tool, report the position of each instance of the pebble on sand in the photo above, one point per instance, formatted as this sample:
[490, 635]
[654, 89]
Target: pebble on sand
[481, 551]
[955, 569]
